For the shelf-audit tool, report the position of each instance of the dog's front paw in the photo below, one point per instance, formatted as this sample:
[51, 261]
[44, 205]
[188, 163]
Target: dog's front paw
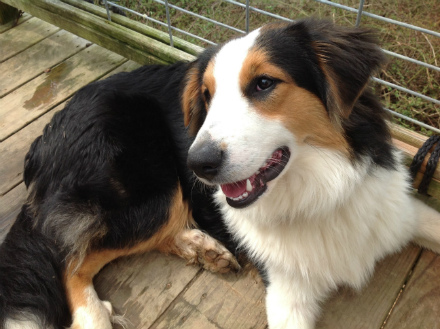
[199, 248]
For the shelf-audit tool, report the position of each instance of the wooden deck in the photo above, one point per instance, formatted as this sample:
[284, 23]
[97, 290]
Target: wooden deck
[41, 67]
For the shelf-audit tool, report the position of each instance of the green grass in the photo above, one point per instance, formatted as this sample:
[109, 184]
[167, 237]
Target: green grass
[394, 38]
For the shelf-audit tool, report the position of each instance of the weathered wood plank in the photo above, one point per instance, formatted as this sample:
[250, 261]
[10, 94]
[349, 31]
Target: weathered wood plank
[33, 61]
[35, 98]
[419, 304]
[10, 205]
[14, 149]
[218, 301]
[122, 40]
[407, 136]
[238, 302]
[122, 33]
[369, 308]
[138, 27]
[24, 36]
[10, 25]
[142, 287]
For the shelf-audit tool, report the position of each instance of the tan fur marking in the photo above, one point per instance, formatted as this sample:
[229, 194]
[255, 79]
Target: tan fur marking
[304, 115]
[301, 112]
[257, 63]
[76, 281]
[209, 81]
[190, 94]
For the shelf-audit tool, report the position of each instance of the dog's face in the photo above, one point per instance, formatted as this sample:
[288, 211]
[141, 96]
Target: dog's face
[254, 101]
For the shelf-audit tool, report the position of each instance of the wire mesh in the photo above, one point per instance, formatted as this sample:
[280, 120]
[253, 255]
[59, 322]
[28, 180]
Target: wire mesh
[359, 11]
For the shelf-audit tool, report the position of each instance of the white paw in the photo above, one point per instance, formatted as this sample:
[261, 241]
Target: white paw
[199, 248]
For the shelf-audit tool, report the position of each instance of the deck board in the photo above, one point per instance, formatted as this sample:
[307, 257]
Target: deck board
[31, 32]
[220, 302]
[159, 291]
[369, 307]
[419, 303]
[23, 18]
[143, 286]
[10, 205]
[36, 59]
[39, 95]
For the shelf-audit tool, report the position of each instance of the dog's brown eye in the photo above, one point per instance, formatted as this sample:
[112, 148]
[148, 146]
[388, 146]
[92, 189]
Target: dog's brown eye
[264, 83]
[207, 95]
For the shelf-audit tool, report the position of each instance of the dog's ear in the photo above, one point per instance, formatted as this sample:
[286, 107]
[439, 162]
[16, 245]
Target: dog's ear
[347, 57]
[192, 104]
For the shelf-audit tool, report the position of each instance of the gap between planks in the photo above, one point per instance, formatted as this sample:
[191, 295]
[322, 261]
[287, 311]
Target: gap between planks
[399, 294]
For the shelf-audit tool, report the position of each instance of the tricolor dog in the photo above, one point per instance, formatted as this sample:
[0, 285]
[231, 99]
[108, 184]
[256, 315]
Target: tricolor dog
[298, 146]
[287, 134]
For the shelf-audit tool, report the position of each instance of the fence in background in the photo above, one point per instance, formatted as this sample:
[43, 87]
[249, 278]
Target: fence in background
[360, 12]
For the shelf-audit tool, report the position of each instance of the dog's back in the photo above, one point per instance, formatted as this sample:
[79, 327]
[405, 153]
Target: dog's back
[108, 174]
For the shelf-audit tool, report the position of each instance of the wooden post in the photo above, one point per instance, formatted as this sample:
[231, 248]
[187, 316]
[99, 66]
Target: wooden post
[7, 13]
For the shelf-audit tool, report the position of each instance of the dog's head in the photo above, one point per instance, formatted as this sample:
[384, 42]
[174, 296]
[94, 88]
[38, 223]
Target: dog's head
[255, 100]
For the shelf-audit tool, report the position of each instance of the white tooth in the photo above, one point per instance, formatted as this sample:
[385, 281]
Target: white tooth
[248, 185]
[245, 195]
[240, 197]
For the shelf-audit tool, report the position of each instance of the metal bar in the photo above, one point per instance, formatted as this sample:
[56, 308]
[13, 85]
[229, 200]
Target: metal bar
[412, 60]
[359, 14]
[194, 36]
[108, 10]
[421, 124]
[167, 9]
[409, 91]
[260, 11]
[202, 17]
[247, 16]
[162, 23]
[388, 20]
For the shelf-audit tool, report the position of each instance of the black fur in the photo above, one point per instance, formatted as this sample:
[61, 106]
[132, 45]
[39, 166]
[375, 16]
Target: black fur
[102, 175]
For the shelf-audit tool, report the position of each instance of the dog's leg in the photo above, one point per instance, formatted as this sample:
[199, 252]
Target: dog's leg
[428, 228]
[200, 248]
[88, 311]
[293, 303]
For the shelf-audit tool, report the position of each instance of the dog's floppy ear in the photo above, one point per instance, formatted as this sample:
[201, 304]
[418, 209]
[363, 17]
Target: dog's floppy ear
[192, 104]
[347, 57]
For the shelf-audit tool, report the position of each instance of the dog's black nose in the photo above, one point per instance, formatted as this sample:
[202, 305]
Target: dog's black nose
[205, 159]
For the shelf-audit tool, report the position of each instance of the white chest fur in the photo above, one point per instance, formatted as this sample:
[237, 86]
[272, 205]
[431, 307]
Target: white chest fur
[322, 223]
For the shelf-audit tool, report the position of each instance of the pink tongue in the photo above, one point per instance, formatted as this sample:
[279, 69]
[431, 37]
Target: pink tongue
[234, 190]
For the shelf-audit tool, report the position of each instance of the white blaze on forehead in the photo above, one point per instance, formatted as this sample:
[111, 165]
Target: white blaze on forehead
[229, 60]
[228, 96]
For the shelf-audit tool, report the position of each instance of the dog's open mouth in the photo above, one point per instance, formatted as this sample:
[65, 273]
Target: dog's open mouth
[245, 192]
